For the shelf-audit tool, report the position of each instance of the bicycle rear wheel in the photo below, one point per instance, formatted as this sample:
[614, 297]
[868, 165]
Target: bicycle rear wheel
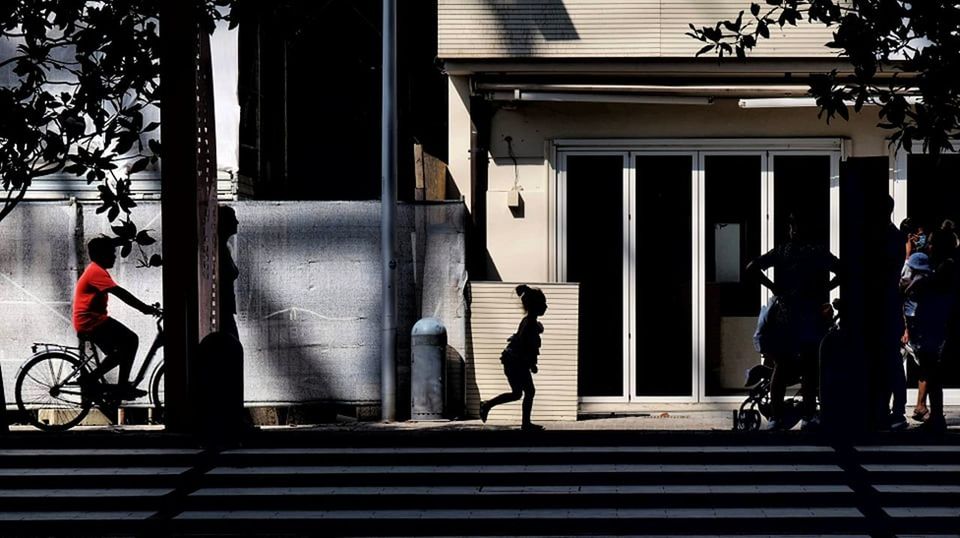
[48, 392]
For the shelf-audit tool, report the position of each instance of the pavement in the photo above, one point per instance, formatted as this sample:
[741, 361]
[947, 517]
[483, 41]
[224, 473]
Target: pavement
[690, 421]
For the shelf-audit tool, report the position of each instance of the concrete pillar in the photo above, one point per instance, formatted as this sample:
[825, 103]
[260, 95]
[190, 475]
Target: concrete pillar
[458, 135]
[858, 375]
[188, 200]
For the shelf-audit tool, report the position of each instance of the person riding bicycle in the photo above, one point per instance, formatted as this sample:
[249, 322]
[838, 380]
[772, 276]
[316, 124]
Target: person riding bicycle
[91, 321]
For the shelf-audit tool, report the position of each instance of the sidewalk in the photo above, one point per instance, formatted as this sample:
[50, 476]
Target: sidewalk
[674, 421]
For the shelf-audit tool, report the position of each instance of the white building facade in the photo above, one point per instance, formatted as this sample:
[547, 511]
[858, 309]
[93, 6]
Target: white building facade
[593, 147]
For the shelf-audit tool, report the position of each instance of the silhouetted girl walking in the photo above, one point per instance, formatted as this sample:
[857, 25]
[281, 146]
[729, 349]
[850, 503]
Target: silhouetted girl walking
[520, 357]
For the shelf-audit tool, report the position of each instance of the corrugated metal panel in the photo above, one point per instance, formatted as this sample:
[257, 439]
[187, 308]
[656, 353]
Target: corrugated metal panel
[145, 186]
[495, 312]
[598, 28]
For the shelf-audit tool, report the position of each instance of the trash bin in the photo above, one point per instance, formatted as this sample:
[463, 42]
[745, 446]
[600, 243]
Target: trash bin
[428, 341]
[219, 377]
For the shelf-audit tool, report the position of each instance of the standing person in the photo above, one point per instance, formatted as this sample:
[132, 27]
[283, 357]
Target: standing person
[520, 357]
[935, 298]
[892, 379]
[916, 243]
[91, 321]
[226, 228]
[802, 271]
[914, 285]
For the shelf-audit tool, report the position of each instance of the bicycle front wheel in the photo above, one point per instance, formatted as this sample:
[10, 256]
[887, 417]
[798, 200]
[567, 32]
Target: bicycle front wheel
[48, 392]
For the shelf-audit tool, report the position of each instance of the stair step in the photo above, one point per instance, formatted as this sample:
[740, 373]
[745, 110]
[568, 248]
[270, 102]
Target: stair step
[512, 514]
[92, 471]
[73, 516]
[923, 511]
[74, 493]
[70, 477]
[530, 490]
[752, 455]
[524, 469]
[502, 521]
[536, 450]
[917, 488]
[488, 497]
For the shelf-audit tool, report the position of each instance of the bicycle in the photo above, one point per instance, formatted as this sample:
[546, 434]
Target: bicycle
[48, 388]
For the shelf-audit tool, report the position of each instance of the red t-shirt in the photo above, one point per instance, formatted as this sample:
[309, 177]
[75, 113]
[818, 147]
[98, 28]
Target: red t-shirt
[90, 298]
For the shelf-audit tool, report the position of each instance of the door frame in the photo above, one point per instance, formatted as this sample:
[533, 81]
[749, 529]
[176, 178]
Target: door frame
[698, 148]
[561, 250]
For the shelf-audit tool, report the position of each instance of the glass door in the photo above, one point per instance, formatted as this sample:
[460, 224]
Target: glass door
[733, 232]
[663, 315]
[595, 252]
[658, 240]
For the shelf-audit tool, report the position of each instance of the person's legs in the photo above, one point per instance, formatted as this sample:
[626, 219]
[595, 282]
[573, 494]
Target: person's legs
[897, 381]
[922, 393]
[778, 386]
[506, 397]
[920, 411]
[810, 382]
[516, 392]
[119, 344]
[526, 383]
[931, 361]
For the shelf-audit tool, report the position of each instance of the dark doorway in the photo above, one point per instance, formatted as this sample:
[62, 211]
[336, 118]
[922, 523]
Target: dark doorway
[595, 258]
[663, 342]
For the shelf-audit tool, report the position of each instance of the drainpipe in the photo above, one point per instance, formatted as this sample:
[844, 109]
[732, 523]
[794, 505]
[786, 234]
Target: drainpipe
[388, 214]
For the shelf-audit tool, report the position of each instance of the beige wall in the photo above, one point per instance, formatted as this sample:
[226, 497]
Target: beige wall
[520, 246]
[458, 135]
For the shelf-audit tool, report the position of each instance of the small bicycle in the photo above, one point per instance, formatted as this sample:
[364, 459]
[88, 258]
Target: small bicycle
[48, 384]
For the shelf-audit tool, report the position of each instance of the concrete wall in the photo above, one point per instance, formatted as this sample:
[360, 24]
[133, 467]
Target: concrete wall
[308, 295]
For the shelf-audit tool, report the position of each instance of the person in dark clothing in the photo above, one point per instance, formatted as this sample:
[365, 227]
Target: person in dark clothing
[802, 271]
[887, 277]
[934, 294]
[519, 359]
[226, 228]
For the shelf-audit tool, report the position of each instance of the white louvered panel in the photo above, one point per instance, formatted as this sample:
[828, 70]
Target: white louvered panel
[601, 28]
[547, 28]
[803, 40]
[495, 312]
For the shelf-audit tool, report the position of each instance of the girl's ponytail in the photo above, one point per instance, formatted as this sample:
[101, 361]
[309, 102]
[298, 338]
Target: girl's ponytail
[521, 289]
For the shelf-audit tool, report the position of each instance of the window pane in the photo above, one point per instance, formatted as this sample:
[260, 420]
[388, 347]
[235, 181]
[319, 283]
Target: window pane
[595, 260]
[732, 231]
[664, 279]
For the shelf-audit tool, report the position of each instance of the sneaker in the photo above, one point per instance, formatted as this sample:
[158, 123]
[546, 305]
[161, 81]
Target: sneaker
[531, 427]
[773, 425]
[484, 411]
[898, 423]
[933, 425]
[811, 424]
[89, 388]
